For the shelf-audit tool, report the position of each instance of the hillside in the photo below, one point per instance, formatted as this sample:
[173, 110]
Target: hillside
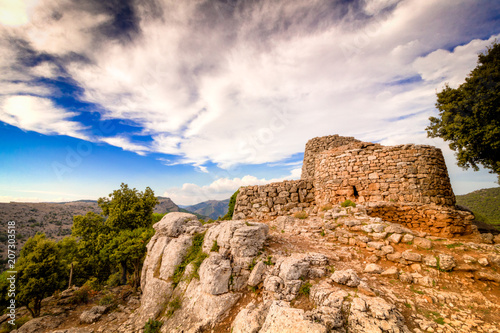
[210, 208]
[485, 204]
[54, 219]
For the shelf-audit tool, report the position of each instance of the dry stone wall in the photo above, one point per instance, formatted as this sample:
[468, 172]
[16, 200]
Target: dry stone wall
[436, 220]
[274, 199]
[318, 145]
[406, 184]
[374, 173]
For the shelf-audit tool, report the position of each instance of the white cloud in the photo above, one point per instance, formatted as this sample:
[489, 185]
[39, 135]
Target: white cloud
[125, 144]
[219, 189]
[40, 115]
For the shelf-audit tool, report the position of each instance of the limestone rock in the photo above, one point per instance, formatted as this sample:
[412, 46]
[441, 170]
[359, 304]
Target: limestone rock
[407, 238]
[391, 272]
[483, 262]
[373, 269]
[40, 324]
[430, 261]
[92, 315]
[395, 238]
[282, 318]
[374, 314]
[446, 262]
[347, 277]
[250, 319]
[412, 256]
[324, 294]
[422, 242]
[256, 275]
[215, 272]
[175, 223]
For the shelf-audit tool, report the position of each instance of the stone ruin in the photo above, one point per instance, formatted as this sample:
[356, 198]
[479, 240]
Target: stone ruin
[406, 184]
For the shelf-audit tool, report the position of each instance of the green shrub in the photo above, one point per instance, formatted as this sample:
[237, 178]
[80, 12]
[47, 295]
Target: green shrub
[269, 261]
[348, 203]
[215, 247]
[114, 280]
[107, 299]
[174, 305]
[152, 326]
[301, 215]
[6, 328]
[230, 209]
[94, 284]
[305, 289]
[157, 217]
[82, 295]
[195, 255]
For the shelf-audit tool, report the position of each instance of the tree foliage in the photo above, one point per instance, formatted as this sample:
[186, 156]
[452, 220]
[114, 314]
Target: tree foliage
[127, 208]
[40, 272]
[469, 116]
[116, 240]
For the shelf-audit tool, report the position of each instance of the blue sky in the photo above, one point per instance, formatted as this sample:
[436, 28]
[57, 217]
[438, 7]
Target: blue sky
[196, 98]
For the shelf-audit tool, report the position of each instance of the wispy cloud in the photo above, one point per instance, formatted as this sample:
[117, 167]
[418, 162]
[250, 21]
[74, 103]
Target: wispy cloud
[40, 115]
[219, 189]
[244, 82]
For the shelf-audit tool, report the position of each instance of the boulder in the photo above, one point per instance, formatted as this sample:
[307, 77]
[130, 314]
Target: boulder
[373, 269]
[282, 318]
[374, 314]
[256, 275]
[446, 262]
[175, 223]
[422, 242]
[347, 277]
[92, 315]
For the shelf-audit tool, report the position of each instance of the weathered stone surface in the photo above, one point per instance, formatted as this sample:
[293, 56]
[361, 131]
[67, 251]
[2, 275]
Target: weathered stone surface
[250, 319]
[430, 261]
[40, 324]
[422, 242]
[347, 277]
[175, 223]
[391, 272]
[395, 238]
[92, 315]
[483, 262]
[407, 238]
[215, 272]
[412, 256]
[446, 262]
[373, 269]
[374, 314]
[394, 256]
[283, 318]
[487, 276]
[324, 294]
[256, 275]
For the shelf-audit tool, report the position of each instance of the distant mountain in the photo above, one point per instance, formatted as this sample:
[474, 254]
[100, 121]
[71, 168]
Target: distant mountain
[485, 204]
[166, 205]
[210, 208]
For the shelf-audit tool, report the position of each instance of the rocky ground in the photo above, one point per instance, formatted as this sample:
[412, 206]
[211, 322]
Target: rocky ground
[338, 271]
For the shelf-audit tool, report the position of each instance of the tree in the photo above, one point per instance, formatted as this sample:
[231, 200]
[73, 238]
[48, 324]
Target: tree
[128, 248]
[469, 116]
[129, 209]
[119, 237]
[39, 272]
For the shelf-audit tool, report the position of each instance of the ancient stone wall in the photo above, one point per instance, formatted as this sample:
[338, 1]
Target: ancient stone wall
[407, 184]
[374, 173]
[436, 220]
[274, 199]
[318, 145]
